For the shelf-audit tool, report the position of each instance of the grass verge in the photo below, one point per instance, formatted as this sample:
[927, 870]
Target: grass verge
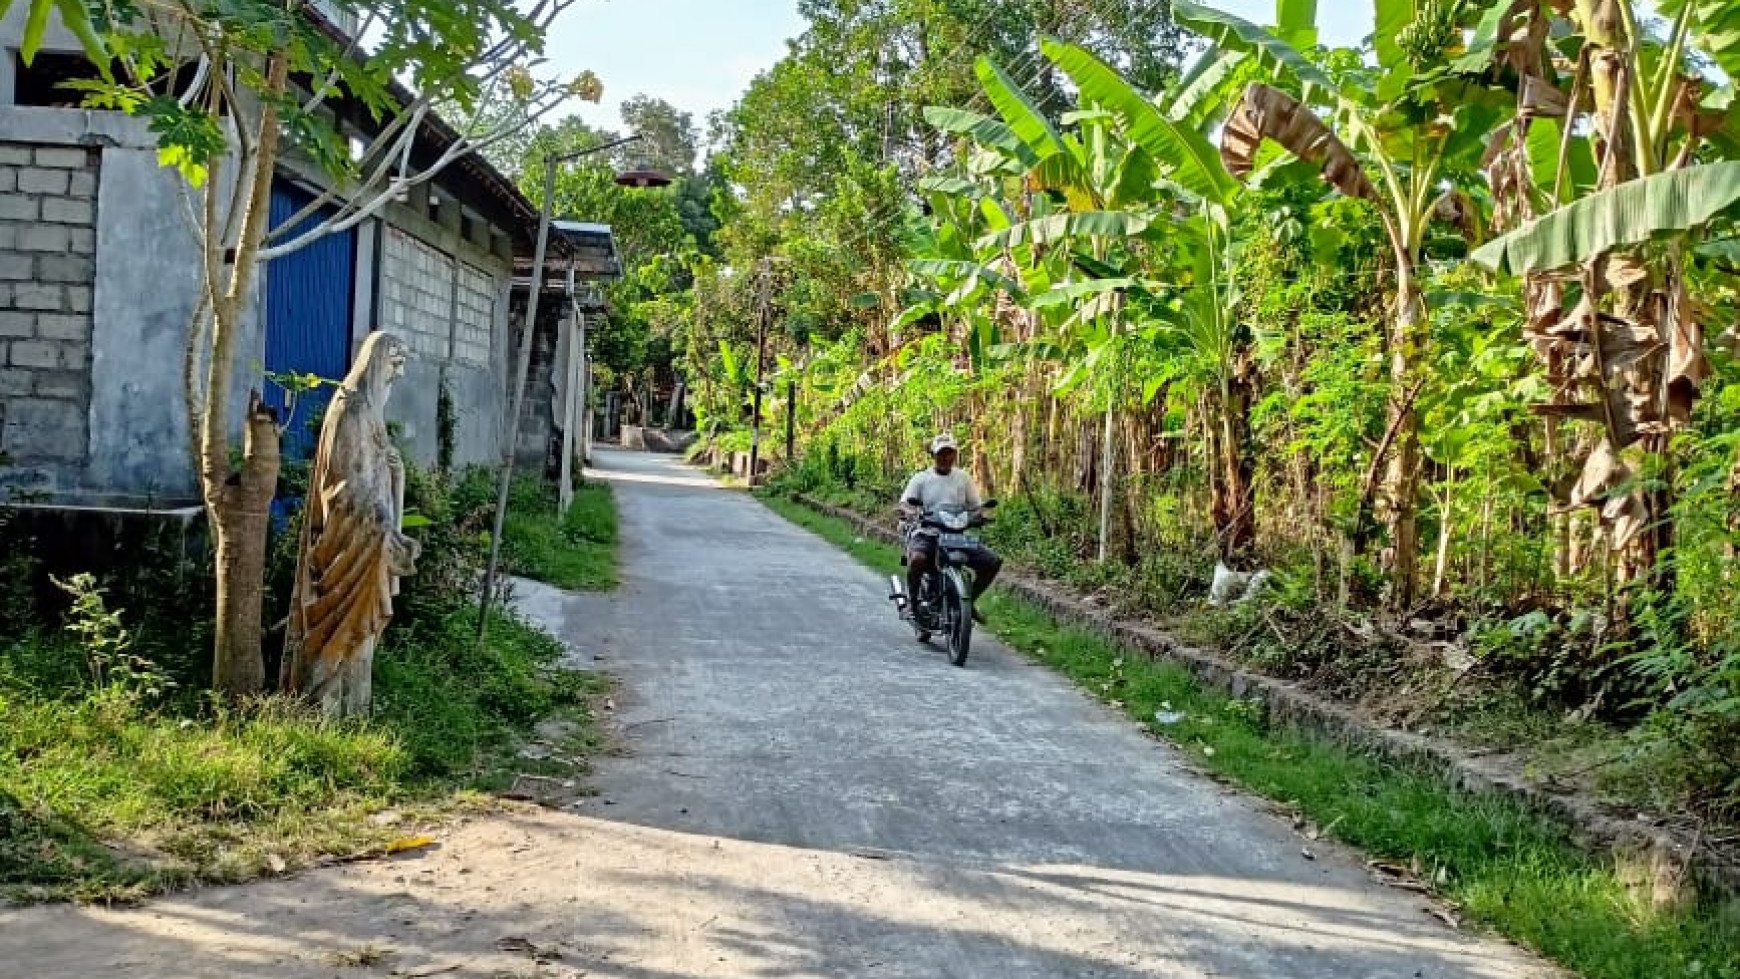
[1503, 867]
[577, 550]
[108, 794]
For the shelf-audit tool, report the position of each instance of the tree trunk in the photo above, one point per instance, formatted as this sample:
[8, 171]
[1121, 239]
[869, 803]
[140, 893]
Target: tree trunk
[1235, 512]
[238, 504]
[242, 514]
[1401, 484]
[1445, 524]
[1108, 462]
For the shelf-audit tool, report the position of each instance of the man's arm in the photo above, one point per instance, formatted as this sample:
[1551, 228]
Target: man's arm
[973, 500]
[911, 492]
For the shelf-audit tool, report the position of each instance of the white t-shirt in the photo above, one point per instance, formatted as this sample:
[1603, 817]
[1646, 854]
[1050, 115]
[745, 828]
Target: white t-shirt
[936, 491]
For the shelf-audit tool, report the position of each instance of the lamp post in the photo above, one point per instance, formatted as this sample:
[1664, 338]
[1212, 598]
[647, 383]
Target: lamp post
[641, 178]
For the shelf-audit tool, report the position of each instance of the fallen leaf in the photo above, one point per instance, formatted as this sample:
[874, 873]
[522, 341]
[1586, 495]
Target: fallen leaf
[1444, 916]
[1307, 854]
[404, 843]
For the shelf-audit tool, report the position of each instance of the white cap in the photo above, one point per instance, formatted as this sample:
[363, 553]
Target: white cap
[943, 441]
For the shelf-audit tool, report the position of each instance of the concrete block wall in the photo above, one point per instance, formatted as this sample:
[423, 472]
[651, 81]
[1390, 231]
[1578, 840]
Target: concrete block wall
[474, 316]
[447, 299]
[48, 208]
[417, 294]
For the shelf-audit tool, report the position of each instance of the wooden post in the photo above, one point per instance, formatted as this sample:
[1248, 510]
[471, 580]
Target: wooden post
[790, 421]
[1108, 455]
[516, 404]
[585, 414]
[570, 402]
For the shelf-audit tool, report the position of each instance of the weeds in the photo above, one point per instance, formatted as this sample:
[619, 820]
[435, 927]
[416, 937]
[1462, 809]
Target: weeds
[577, 551]
[118, 779]
[226, 793]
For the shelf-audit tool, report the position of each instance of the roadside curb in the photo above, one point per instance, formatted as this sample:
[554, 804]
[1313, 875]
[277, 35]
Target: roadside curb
[1656, 862]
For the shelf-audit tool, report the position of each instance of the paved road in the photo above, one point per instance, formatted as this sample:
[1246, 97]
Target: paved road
[773, 698]
[805, 792]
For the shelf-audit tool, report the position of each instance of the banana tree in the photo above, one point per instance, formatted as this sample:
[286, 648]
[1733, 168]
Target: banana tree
[1192, 318]
[1103, 186]
[1609, 151]
[1391, 137]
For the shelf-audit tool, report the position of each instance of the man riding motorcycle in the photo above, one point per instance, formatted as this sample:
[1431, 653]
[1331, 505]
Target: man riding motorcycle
[939, 487]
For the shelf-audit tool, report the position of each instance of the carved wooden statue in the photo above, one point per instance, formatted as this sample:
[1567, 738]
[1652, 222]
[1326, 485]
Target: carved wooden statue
[353, 550]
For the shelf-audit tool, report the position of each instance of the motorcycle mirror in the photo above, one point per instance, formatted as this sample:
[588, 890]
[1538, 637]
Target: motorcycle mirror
[990, 504]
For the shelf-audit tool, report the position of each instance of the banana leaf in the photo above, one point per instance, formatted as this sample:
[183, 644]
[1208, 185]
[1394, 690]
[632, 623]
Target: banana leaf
[1715, 29]
[1263, 113]
[1237, 34]
[1070, 224]
[986, 132]
[1296, 23]
[1630, 214]
[1027, 122]
[1185, 155]
[1198, 95]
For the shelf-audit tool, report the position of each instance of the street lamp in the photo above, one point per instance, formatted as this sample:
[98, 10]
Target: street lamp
[640, 178]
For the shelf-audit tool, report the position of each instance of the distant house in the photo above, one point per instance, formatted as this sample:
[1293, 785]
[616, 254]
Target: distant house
[570, 292]
[97, 286]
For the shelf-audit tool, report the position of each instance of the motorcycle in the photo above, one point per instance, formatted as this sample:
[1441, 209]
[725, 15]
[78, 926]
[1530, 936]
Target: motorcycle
[944, 605]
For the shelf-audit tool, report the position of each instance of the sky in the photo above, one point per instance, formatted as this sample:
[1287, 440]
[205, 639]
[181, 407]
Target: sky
[700, 55]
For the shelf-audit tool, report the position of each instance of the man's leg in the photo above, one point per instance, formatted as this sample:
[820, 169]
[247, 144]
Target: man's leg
[917, 564]
[985, 564]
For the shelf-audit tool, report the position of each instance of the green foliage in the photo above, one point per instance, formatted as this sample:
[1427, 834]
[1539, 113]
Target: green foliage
[72, 14]
[1305, 359]
[576, 550]
[1630, 214]
[118, 780]
[114, 666]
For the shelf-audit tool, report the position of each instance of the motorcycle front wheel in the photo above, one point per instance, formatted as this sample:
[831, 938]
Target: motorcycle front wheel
[960, 620]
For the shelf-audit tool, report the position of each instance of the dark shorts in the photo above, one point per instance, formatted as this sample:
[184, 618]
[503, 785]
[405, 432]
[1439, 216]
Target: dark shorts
[978, 557]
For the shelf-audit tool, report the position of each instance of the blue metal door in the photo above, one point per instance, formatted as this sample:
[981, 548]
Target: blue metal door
[308, 317]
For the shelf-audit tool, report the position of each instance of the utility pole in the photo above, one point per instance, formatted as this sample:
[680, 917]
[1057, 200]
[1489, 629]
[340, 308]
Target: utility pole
[584, 420]
[523, 362]
[762, 313]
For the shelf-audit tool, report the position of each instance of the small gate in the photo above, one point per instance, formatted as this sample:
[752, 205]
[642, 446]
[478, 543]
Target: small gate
[308, 317]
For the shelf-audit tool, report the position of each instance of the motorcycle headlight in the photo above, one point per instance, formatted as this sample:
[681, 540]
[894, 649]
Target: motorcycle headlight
[957, 521]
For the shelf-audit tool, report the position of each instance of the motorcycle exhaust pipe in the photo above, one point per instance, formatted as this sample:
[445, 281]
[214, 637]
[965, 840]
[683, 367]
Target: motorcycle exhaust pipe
[897, 590]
